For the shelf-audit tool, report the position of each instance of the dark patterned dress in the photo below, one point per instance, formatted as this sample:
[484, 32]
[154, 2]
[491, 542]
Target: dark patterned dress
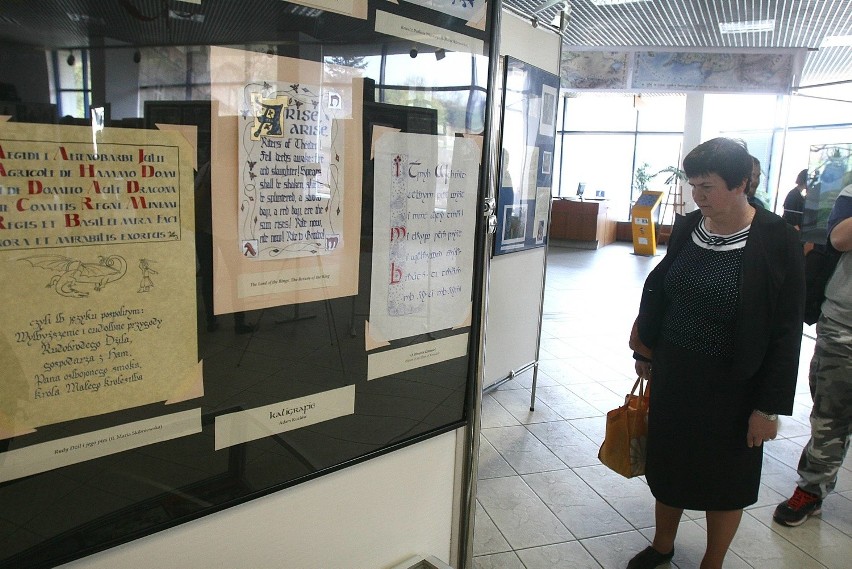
[697, 455]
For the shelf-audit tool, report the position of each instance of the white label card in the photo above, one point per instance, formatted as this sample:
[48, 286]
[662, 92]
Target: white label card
[252, 424]
[80, 448]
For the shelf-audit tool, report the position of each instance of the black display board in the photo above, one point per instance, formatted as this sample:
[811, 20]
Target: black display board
[69, 486]
[528, 138]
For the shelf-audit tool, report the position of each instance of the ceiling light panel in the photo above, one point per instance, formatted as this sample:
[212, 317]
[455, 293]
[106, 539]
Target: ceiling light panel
[836, 41]
[747, 26]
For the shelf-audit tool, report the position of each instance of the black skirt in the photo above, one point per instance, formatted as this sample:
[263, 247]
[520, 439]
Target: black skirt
[697, 455]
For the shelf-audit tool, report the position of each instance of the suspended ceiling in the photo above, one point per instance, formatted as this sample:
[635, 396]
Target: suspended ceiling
[817, 25]
[824, 27]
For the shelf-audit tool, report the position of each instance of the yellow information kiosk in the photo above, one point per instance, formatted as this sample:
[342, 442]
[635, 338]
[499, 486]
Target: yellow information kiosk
[644, 234]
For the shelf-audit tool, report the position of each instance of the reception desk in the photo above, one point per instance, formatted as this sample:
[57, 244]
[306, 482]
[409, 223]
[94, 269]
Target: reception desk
[585, 224]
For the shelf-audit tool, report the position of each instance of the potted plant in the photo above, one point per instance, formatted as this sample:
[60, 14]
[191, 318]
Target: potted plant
[641, 178]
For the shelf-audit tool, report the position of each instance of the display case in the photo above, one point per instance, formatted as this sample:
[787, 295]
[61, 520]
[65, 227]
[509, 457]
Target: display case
[251, 254]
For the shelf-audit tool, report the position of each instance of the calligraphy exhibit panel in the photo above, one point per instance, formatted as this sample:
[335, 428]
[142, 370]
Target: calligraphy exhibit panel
[98, 272]
[285, 209]
[423, 223]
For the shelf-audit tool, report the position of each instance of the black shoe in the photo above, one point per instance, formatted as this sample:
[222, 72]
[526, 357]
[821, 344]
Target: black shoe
[649, 558]
[796, 510]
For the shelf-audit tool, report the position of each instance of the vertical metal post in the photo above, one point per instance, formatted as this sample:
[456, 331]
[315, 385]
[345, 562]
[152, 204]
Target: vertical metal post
[474, 398]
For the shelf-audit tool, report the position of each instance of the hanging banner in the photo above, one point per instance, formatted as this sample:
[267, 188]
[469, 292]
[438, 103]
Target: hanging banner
[421, 32]
[465, 9]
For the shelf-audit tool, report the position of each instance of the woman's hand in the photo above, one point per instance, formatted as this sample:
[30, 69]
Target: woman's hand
[643, 369]
[760, 429]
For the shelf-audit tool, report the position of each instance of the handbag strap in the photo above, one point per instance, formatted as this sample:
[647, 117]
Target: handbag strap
[640, 383]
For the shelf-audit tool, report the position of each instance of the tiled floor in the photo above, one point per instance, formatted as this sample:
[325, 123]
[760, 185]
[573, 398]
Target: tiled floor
[545, 501]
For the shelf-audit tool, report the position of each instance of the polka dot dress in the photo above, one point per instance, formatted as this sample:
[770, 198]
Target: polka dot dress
[697, 456]
[703, 291]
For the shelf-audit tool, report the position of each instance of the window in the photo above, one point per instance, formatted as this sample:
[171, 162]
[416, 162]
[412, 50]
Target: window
[453, 87]
[72, 87]
[606, 138]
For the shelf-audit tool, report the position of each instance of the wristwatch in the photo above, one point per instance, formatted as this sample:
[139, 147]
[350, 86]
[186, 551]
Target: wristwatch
[767, 416]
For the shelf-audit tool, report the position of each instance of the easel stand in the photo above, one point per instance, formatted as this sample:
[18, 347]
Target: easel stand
[674, 199]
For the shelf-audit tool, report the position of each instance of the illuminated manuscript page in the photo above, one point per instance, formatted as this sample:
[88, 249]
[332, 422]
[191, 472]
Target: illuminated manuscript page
[286, 180]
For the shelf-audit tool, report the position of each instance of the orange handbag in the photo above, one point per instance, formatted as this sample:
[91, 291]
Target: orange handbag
[623, 449]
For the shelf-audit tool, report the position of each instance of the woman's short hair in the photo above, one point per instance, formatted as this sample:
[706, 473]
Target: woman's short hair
[802, 178]
[726, 157]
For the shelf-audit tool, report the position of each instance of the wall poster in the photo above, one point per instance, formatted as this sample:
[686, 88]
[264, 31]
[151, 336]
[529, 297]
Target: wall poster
[286, 214]
[829, 171]
[424, 218]
[98, 311]
[528, 141]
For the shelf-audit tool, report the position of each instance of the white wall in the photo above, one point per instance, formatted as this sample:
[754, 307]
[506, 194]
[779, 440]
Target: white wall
[516, 280]
[373, 515]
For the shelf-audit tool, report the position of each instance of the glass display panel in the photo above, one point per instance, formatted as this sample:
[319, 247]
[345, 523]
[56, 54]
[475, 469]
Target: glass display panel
[238, 250]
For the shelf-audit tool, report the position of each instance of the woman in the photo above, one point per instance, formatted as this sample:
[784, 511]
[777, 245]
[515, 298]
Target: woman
[794, 203]
[720, 326]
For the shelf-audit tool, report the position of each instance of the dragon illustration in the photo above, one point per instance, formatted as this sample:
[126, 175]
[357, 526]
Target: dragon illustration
[73, 272]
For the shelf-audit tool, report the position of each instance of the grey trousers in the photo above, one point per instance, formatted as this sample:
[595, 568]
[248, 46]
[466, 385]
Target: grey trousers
[830, 380]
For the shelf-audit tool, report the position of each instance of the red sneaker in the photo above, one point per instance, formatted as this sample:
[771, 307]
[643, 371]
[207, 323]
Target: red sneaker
[798, 508]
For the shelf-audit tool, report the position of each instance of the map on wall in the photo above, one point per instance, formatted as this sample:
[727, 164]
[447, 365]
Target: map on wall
[713, 72]
[593, 69]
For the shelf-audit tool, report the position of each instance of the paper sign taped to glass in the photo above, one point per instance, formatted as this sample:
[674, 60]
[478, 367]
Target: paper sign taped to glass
[97, 273]
[286, 213]
[424, 218]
